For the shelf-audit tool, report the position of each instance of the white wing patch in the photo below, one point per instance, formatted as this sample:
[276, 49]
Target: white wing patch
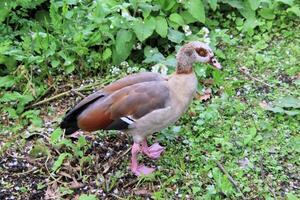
[128, 120]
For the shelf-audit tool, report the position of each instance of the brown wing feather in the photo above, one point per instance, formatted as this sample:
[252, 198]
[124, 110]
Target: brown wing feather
[136, 101]
[70, 120]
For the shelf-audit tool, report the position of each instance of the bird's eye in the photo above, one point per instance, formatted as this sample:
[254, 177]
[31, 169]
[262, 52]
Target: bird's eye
[201, 52]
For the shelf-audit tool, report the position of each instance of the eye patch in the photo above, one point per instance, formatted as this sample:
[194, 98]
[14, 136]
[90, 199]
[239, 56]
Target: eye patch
[202, 52]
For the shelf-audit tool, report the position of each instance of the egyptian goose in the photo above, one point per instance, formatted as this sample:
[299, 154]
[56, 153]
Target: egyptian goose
[142, 104]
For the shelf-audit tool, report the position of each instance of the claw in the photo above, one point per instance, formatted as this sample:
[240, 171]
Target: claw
[142, 170]
[153, 151]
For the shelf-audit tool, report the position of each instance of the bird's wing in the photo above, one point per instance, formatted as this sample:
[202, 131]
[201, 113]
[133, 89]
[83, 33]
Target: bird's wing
[123, 107]
[70, 120]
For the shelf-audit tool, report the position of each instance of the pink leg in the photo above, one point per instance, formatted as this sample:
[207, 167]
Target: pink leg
[153, 151]
[135, 168]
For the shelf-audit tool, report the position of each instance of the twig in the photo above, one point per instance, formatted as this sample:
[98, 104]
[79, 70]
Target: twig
[34, 169]
[264, 177]
[78, 93]
[116, 160]
[116, 196]
[246, 72]
[130, 183]
[83, 88]
[233, 182]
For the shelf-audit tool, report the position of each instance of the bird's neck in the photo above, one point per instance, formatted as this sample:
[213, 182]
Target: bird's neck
[184, 68]
[184, 84]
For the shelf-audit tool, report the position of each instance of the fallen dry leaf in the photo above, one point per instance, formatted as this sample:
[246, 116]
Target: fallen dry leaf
[264, 105]
[205, 96]
[142, 192]
[52, 191]
[208, 81]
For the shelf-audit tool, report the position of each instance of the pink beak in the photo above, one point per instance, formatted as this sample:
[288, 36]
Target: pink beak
[214, 62]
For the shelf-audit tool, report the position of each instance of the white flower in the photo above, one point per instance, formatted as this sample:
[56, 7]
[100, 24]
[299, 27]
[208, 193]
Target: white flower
[115, 70]
[124, 64]
[187, 30]
[137, 46]
[205, 30]
[160, 68]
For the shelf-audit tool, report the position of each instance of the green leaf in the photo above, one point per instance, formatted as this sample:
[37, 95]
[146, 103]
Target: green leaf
[288, 2]
[123, 46]
[123, 36]
[60, 161]
[254, 4]
[69, 69]
[106, 54]
[152, 55]
[175, 36]
[10, 96]
[267, 13]
[288, 102]
[7, 81]
[87, 197]
[39, 149]
[292, 112]
[291, 196]
[235, 3]
[144, 29]
[55, 63]
[174, 17]
[213, 4]
[161, 26]
[275, 109]
[196, 9]
[188, 18]
[294, 9]
[55, 136]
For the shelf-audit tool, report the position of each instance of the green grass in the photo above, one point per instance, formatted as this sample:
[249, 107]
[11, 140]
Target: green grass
[257, 148]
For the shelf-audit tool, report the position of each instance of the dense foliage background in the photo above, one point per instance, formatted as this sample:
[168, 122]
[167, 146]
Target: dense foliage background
[46, 45]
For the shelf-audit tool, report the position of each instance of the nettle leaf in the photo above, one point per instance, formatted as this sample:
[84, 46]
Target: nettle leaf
[152, 55]
[123, 46]
[7, 81]
[123, 37]
[87, 197]
[213, 4]
[287, 102]
[291, 196]
[196, 9]
[235, 3]
[69, 69]
[288, 2]
[175, 36]
[294, 9]
[174, 17]
[161, 26]
[292, 112]
[254, 4]
[57, 164]
[144, 29]
[106, 54]
[55, 136]
[267, 13]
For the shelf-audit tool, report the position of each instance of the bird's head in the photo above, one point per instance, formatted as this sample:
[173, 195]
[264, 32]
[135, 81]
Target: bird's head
[195, 52]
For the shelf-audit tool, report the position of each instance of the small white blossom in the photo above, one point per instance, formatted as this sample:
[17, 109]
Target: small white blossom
[115, 70]
[124, 64]
[132, 70]
[160, 68]
[139, 46]
[187, 30]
